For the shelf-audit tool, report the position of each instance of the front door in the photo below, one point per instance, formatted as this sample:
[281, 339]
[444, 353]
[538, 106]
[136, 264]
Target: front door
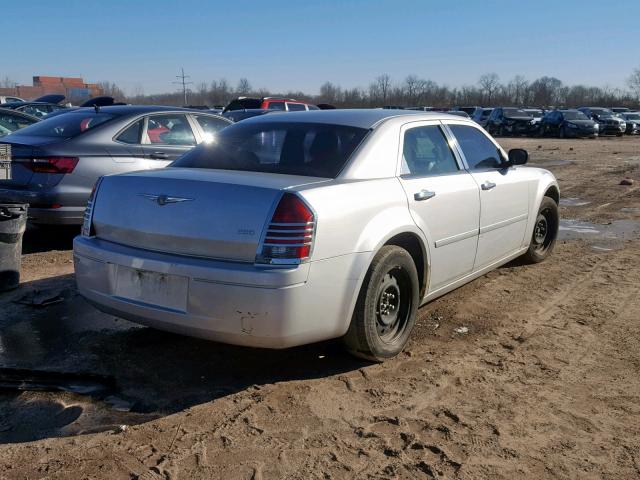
[443, 200]
[504, 195]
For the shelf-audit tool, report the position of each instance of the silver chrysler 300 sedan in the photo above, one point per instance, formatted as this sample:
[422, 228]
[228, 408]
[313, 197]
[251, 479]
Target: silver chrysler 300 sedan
[294, 228]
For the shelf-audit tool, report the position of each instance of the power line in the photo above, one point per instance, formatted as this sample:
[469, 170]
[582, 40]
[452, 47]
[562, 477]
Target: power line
[182, 81]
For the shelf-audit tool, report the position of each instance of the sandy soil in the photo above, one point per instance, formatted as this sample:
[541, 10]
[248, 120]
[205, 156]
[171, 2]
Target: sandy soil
[545, 383]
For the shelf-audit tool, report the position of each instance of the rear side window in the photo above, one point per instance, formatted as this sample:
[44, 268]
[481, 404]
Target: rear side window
[426, 151]
[170, 129]
[210, 124]
[10, 123]
[132, 133]
[276, 106]
[296, 107]
[317, 150]
[479, 151]
[67, 125]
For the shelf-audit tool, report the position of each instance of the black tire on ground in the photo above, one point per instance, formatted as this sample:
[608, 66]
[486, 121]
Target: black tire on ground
[561, 132]
[545, 232]
[385, 312]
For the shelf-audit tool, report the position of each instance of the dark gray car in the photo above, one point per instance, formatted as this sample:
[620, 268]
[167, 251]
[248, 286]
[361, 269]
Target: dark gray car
[57, 161]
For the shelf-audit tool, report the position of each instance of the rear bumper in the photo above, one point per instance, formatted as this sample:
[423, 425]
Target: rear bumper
[226, 301]
[38, 212]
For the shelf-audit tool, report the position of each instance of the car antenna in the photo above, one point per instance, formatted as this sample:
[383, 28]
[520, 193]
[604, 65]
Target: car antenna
[96, 107]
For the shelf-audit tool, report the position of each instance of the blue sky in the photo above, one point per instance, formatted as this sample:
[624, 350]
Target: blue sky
[298, 45]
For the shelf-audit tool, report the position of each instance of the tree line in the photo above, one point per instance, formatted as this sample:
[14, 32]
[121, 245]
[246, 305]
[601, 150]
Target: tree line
[489, 91]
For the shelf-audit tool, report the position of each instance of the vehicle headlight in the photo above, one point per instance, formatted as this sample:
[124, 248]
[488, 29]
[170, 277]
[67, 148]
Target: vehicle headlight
[596, 126]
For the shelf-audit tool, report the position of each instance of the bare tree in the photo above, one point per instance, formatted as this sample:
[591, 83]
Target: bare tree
[634, 82]
[112, 90]
[330, 93]
[6, 82]
[489, 84]
[244, 86]
[381, 87]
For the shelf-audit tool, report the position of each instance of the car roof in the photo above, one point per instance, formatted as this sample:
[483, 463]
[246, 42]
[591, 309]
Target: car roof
[135, 109]
[361, 118]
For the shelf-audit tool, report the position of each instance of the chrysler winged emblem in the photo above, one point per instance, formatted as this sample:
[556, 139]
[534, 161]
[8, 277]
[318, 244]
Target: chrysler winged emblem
[164, 199]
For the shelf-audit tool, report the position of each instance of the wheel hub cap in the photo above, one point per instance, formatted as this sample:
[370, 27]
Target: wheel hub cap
[540, 232]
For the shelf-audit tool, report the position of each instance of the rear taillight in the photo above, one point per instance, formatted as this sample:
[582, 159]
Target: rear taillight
[289, 236]
[87, 224]
[52, 164]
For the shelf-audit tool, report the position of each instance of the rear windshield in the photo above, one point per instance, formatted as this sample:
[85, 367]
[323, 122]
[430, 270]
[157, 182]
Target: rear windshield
[574, 116]
[67, 125]
[242, 103]
[309, 149]
[515, 112]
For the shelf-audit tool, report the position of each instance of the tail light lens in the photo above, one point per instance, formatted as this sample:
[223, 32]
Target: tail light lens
[52, 164]
[87, 224]
[289, 236]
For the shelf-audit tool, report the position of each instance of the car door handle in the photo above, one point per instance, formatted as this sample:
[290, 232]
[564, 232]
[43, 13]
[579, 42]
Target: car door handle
[423, 195]
[160, 155]
[488, 185]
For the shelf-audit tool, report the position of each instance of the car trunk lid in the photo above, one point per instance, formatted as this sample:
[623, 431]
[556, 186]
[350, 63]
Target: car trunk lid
[196, 212]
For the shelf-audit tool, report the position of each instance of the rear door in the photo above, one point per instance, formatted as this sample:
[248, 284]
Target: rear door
[504, 194]
[443, 200]
[166, 136]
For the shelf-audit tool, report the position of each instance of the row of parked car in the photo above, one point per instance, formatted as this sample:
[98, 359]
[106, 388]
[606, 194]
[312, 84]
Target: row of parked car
[580, 122]
[58, 154]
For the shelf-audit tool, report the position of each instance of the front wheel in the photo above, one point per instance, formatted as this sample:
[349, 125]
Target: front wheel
[545, 232]
[386, 309]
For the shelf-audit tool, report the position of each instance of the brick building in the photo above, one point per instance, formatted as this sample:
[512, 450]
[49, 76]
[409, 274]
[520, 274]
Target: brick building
[74, 88]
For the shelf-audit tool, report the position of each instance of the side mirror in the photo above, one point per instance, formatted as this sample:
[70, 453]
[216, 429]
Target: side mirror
[518, 156]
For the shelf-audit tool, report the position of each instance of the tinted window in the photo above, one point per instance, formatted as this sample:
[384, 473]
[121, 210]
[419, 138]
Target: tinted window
[67, 125]
[479, 151]
[132, 133]
[296, 107]
[426, 152]
[574, 116]
[276, 106]
[515, 112]
[170, 129]
[210, 125]
[312, 107]
[316, 150]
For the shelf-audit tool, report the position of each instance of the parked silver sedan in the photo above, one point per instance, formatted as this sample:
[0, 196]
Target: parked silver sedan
[294, 228]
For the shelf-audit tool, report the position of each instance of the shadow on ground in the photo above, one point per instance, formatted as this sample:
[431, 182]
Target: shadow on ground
[43, 239]
[154, 373]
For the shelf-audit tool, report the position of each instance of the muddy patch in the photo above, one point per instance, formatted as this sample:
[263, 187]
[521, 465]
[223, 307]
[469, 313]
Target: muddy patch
[602, 237]
[573, 202]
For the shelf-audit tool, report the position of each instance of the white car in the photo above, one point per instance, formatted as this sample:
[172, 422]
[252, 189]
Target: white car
[294, 228]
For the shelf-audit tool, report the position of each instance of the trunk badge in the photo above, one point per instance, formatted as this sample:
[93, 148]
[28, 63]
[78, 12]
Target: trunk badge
[164, 199]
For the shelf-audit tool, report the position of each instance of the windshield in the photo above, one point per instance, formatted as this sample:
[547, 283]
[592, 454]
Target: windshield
[515, 112]
[309, 149]
[534, 113]
[602, 112]
[574, 116]
[67, 125]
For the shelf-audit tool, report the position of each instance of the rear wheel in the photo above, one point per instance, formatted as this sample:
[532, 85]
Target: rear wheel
[386, 309]
[545, 232]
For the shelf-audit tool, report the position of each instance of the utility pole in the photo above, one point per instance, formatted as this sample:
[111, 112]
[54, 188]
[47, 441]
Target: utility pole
[182, 81]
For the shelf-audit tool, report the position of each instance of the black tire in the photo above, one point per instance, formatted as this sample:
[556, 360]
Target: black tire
[386, 309]
[501, 131]
[545, 232]
[561, 132]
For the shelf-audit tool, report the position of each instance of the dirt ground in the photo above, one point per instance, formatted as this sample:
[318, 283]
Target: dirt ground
[545, 384]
